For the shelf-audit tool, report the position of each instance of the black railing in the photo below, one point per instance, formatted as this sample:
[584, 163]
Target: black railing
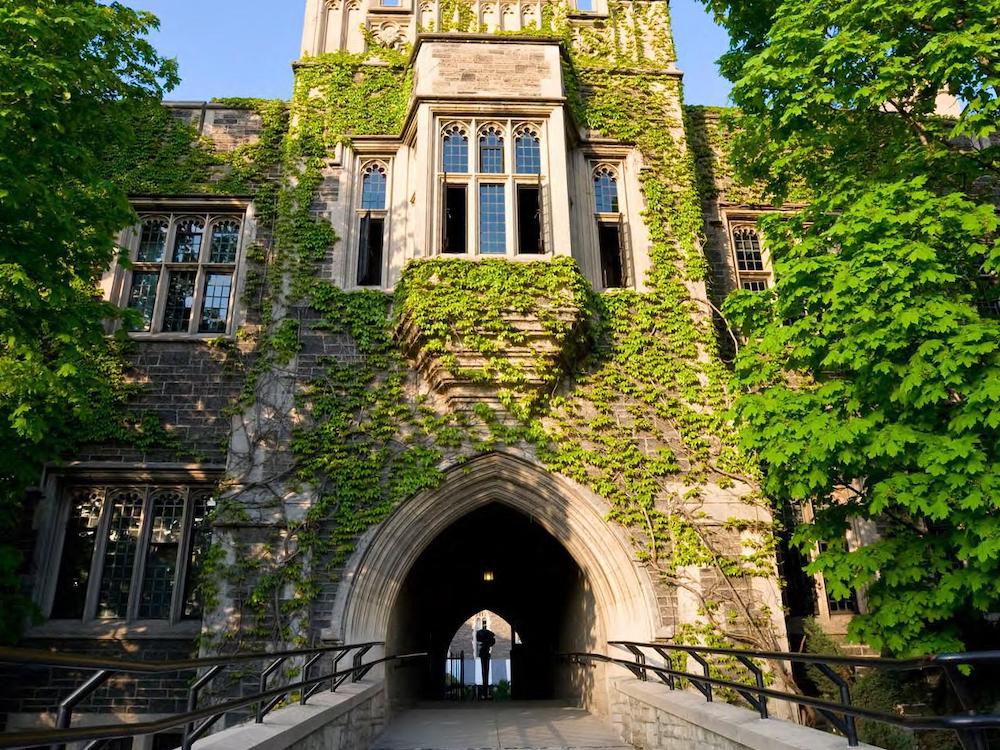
[970, 727]
[196, 721]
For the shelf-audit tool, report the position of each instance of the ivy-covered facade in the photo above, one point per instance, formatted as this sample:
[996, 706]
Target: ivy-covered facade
[475, 260]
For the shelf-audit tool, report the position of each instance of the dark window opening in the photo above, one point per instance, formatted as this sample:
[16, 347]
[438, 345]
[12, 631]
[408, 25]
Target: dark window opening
[529, 220]
[370, 251]
[612, 269]
[77, 552]
[455, 210]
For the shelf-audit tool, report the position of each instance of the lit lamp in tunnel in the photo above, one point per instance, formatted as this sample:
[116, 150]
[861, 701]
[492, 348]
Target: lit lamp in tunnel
[488, 576]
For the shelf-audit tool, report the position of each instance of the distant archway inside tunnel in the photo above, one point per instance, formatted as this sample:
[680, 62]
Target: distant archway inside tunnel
[463, 666]
[494, 558]
[595, 588]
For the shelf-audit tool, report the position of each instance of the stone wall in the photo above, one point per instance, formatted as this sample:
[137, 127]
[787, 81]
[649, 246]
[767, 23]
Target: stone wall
[651, 717]
[349, 719]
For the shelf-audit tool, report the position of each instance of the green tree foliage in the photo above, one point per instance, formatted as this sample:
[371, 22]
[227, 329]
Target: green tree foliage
[871, 377]
[72, 75]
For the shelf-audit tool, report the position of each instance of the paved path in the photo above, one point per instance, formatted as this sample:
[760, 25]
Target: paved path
[503, 726]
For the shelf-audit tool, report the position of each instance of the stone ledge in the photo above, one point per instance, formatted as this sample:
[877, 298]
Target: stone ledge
[287, 726]
[742, 727]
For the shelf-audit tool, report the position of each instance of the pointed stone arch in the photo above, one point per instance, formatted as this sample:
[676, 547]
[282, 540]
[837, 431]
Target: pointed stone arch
[624, 593]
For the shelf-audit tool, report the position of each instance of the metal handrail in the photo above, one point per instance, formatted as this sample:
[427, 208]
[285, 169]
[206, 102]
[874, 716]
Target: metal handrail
[969, 726]
[264, 699]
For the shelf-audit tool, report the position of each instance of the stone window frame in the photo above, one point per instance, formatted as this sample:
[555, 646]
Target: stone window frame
[211, 213]
[510, 178]
[384, 164]
[597, 9]
[56, 517]
[755, 280]
[616, 168]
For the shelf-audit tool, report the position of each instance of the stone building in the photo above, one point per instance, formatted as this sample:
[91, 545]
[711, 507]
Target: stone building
[420, 131]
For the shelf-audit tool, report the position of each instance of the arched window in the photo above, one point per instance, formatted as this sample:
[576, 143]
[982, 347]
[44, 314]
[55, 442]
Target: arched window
[606, 190]
[187, 241]
[491, 150]
[225, 242]
[456, 149]
[527, 152]
[746, 243]
[373, 187]
[153, 240]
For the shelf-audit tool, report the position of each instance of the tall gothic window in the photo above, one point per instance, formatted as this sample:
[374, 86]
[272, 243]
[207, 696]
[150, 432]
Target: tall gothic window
[371, 224]
[752, 271]
[183, 274]
[132, 552]
[610, 245]
[456, 149]
[491, 150]
[498, 209]
[527, 151]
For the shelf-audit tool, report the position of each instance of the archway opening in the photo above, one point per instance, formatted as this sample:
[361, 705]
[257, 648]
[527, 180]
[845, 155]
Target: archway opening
[465, 676]
[499, 559]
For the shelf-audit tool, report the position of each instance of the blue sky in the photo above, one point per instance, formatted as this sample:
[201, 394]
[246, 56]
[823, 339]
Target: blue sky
[245, 47]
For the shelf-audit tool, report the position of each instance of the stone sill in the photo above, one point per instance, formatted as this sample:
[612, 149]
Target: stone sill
[740, 726]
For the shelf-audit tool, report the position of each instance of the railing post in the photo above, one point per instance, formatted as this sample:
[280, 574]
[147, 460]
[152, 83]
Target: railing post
[304, 696]
[262, 687]
[640, 661]
[192, 702]
[850, 726]
[758, 676]
[707, 691]
[969, 739]
[669, 663]
[65, 715]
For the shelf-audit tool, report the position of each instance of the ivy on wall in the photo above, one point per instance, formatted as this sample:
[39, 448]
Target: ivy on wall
[640, 419]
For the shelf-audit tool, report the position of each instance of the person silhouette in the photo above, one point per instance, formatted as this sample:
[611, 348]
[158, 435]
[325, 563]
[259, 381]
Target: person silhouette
[486, 640]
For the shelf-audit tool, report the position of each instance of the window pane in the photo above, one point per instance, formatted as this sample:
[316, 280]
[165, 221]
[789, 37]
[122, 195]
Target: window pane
[180, 300]
[529, 220]
[527, 154]
[606, 192]
[456, 151]
[77, 553]
[142, 296]
[373, 185]
[748, 253]
[187, 243]
[200, 543]
[119, 556]
[215, 307]
[491, 152]
[587, 6]
[152, 241]
[160, 572]
[370, 251]
[492, 220]
[755, 285]
[455, 213]
[225, 242]
[612, 270]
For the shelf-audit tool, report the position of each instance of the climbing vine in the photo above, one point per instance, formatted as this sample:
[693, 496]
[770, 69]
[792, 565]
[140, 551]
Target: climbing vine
[622, 391]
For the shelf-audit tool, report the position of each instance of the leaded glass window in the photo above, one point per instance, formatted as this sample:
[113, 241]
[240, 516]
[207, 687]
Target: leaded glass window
[456, 149]
[746, 243]
[187, 241]
[191, 288]
[491, 150]
[119, 552]
[153, 240]
[142, 297]
[147, 543]
[755, 285]
[606, 190]
[225, 241]
[373, 187]
[527, 152]
[492, 219]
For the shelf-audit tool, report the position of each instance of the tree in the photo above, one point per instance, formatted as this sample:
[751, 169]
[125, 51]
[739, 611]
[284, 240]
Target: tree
[73, 76]
[870, 378]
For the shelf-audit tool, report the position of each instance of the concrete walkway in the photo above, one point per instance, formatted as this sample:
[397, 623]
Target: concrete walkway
[501, 726]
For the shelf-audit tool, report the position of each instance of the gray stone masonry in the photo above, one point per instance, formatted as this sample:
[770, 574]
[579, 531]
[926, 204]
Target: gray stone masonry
[651, 717]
